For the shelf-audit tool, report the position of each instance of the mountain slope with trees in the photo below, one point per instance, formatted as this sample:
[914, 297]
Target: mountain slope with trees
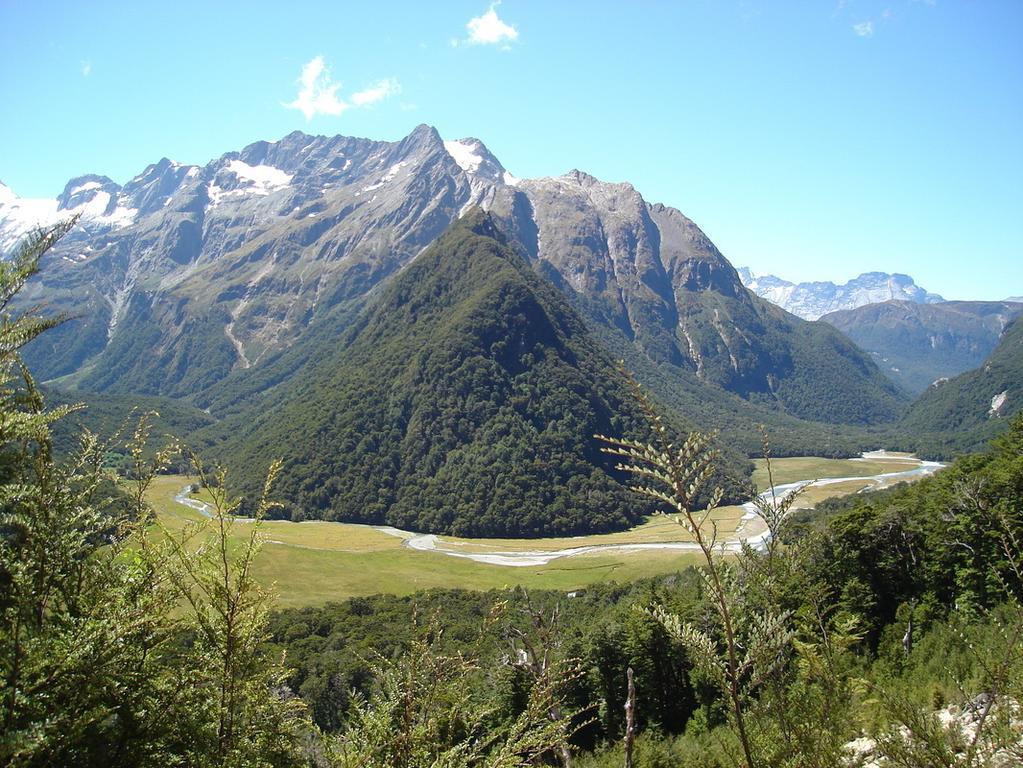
[963, 413]
[916, 344]
[216, 281]
[463, 401]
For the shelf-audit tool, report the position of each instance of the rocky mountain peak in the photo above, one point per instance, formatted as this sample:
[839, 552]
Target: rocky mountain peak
[581, 178]
[423, 139]
[99, 193]
[152, 189]
[811, 300]
[473, 157]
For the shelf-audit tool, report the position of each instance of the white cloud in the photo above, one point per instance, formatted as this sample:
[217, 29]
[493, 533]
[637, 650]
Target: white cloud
[375, 93]
[86, 68]
[864, 29]
[317, 93]
[488, 29]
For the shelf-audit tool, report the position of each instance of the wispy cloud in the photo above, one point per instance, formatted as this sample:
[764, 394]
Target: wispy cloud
[317, 93]
[375, 93]
[489, 29]
[864, 29]
[86, 68]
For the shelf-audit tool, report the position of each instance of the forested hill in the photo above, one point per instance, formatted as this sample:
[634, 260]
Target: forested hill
[962, 413]
[464, 401]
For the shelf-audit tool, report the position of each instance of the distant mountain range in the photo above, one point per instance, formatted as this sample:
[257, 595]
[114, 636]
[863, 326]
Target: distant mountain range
[206, 272]
[916, 344]
[812, 300]
[229, 287]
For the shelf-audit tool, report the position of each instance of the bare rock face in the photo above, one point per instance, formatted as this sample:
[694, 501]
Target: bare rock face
[650, 273]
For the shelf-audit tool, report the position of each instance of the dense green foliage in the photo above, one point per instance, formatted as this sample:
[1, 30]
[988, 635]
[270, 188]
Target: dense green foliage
[464, 401]
[332, 648]
[97, 665]
[849, 581]
[120, 646]
[112, 414]
[935, 543]
[957, 415]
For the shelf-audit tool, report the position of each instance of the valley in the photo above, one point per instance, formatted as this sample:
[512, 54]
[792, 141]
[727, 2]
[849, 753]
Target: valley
[314, 562]
[381, 385]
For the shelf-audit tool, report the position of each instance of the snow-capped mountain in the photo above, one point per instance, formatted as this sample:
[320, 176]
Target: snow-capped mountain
[188, 274]
[813, 299]
[97, 200]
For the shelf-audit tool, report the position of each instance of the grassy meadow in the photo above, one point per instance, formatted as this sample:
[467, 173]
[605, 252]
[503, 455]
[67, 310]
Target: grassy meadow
[312, 563]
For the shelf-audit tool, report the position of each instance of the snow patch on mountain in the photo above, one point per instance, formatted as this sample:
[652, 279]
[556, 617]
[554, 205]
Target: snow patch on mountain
[462, 151]
[811, 300]
[264, 178]
[473, 157]
[248, 181]
[20, 216]
[86, 187]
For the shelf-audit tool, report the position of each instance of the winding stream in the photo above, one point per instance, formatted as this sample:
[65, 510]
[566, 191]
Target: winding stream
[429, 542]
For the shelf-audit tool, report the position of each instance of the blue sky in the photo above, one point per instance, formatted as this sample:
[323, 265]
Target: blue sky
[814, 140]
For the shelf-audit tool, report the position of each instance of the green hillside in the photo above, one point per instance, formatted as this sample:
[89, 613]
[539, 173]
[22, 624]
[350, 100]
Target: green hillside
[917, 344]
[963, 413]
[463, 401]
[107, 415]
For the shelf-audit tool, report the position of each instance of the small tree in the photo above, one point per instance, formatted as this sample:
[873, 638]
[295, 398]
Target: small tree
[747, 642]
[250, 717]
[93, 671]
